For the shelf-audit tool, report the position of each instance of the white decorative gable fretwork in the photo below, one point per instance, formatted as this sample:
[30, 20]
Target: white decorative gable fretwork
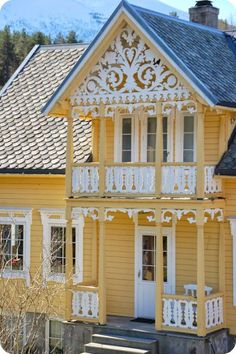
[127, 75]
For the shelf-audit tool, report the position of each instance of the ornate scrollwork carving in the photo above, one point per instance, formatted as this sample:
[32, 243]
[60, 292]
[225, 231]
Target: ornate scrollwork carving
[129, 73]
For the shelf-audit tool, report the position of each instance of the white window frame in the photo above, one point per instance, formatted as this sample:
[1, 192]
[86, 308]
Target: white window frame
[13, 218]
[134, 139]
[49, 222]
[179, 136]
[47, 331]
[232, 221]
[144, 137]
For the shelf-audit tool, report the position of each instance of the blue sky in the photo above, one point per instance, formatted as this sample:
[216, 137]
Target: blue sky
[227, 7]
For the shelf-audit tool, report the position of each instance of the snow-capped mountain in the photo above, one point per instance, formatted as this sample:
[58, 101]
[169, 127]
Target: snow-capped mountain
[85, 17]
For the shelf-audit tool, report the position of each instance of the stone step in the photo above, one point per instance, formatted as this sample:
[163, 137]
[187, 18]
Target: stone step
[126, 341]
[98, 348]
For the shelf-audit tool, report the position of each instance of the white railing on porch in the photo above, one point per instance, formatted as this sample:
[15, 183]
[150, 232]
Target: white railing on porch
[180, 312]
[141, 179]
[138, 180]
[85, 304]
[214, 312]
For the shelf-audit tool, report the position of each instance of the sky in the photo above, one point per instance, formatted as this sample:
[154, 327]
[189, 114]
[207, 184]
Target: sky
[227, 8]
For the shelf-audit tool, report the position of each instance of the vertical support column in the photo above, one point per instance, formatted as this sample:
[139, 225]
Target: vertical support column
[159, 150]
[69, 264]
[222, 258]
[102, 149]
[159, 270]
[69, 155]
[201, 313]
[101, 269]
[200, 152]
[95, 251]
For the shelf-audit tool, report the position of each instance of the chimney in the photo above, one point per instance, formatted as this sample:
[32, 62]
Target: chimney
[204, 13]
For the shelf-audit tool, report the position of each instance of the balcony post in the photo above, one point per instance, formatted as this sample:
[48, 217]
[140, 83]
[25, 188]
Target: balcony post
[159, 270]
[101, 269]
[159, 150]
[69, 155]
[200, 152]
[201, 313]
[69, 264]
[102, 149]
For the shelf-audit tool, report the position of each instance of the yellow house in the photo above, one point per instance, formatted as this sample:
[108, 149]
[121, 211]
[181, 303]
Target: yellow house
[160, 93]
[150, 259]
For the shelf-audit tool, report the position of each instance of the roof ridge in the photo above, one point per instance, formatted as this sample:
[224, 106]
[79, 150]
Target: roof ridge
[64, 45]
[173, 18]
[19, 69]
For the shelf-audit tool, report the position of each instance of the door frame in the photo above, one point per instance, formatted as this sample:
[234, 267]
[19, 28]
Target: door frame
[172, 256]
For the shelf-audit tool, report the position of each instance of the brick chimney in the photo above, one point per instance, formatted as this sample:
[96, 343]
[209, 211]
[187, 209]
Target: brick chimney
[205, 13]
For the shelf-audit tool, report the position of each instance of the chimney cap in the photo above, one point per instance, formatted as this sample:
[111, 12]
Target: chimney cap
[203, 3]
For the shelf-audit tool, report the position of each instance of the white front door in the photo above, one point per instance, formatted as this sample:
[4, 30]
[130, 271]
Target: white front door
[146, 270]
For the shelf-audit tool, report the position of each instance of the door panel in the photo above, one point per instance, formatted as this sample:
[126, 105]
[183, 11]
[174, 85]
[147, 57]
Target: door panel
[146, 272]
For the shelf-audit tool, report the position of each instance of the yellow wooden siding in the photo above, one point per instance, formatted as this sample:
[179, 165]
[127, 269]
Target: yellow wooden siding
[120, 242]
[110, 141]
[230, 194]
[212, 128]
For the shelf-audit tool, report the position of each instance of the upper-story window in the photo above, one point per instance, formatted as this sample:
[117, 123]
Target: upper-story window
[133, 145]
[186, 138]
[54, 250]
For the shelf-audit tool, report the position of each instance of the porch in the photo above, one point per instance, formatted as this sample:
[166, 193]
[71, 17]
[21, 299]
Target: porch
[127, 267]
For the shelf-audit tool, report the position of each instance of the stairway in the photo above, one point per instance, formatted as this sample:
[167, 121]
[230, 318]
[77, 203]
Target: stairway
[112, 344]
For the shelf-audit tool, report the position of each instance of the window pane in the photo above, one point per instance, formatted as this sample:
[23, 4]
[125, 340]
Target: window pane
[188, 156]
[164, 122]
[55, 337]
[57, 249]
[126, 156]
[151, 154]
[127, 126]
[151, 141]
[188, 124]
[152, 125]
[126, 142]
[12, 247]
[188, 141]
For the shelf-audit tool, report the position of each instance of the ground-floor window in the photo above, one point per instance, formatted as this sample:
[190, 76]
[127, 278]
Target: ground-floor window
[54, 337]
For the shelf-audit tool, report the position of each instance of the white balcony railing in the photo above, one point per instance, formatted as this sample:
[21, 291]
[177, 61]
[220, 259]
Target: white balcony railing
[181, 311]
[141, 179]
[85, 304]
[138, 180]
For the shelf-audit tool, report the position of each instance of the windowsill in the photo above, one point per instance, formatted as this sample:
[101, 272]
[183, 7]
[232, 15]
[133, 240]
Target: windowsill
[22, 274]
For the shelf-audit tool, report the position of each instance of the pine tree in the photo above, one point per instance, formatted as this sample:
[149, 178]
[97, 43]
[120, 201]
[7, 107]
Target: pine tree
[59, 39]
[6, 55]
[72, 37]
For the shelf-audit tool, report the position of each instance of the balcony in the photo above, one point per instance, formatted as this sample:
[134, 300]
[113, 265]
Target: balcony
[140, 179]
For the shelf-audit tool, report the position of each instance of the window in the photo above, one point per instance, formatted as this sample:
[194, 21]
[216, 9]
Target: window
[12, 246]
[15, 243]
[126, 139]
[188, 139]
[149, 139]
[232, 221]
[185, 138]
[54, 337]
[58, 249]
[54, 249]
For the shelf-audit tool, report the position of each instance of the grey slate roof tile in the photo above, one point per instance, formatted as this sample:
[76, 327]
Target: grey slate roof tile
[227, 164]
[30, 141]
[208, 53]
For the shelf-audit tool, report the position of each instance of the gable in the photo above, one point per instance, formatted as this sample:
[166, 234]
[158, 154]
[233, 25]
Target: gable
[129, 74]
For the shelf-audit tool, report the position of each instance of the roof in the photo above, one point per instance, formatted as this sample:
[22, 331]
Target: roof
[204, 56]
[31, 142]
[227, 164]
